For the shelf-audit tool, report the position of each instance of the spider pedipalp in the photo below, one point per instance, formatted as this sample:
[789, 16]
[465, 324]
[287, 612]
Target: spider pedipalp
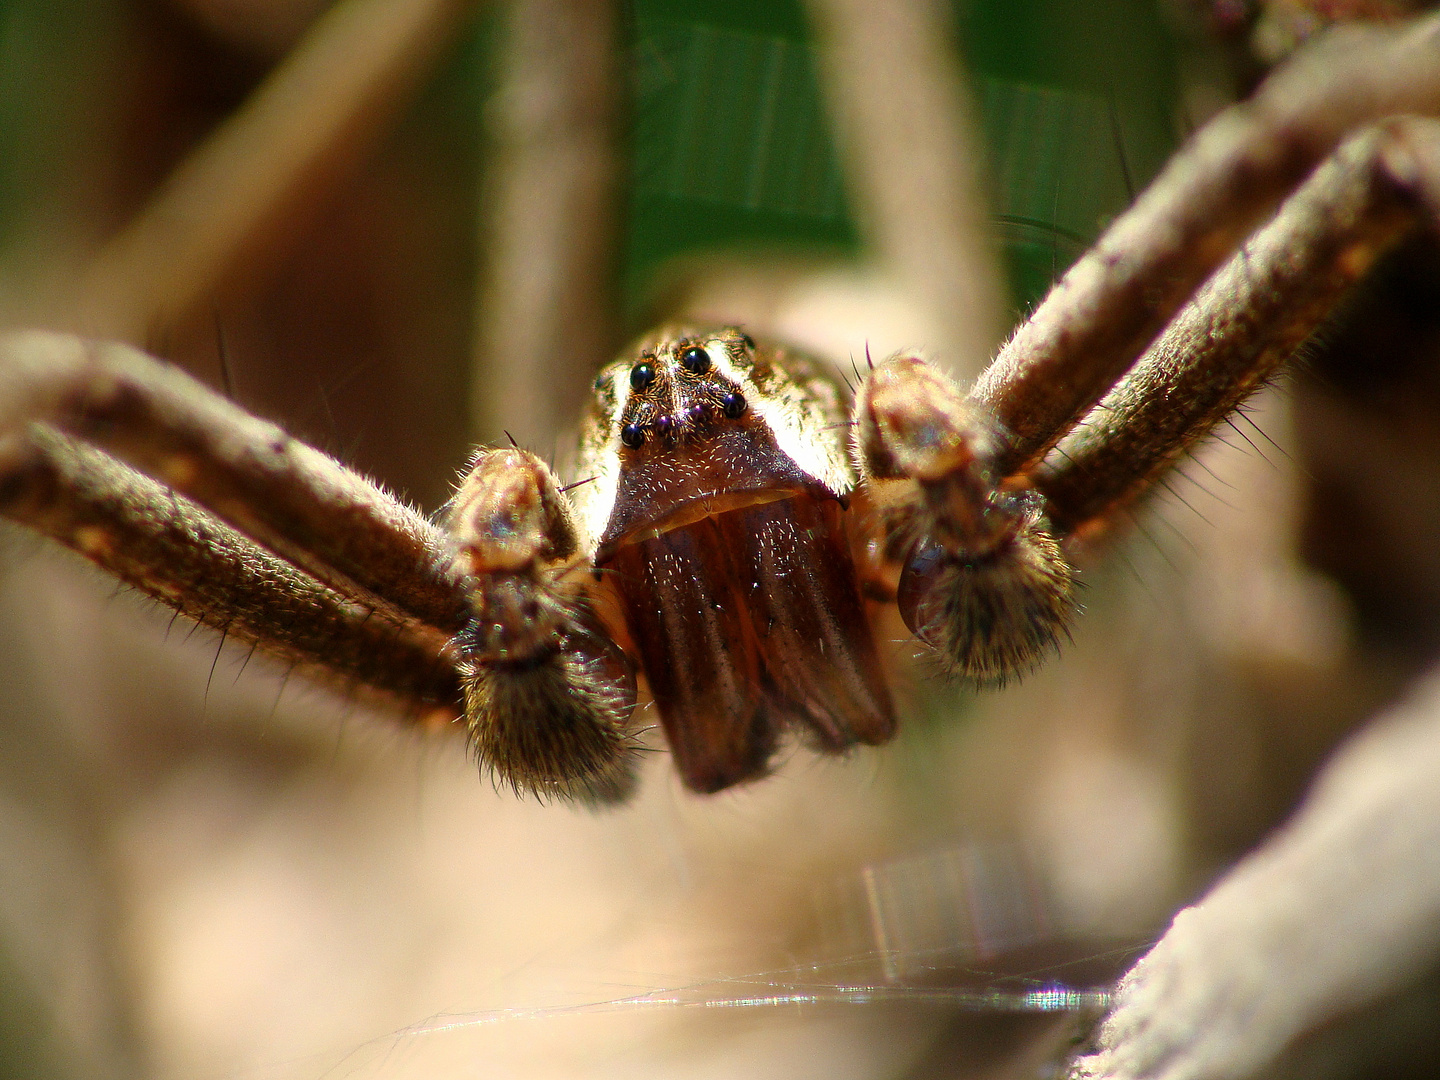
[548, 696]
[983, 581]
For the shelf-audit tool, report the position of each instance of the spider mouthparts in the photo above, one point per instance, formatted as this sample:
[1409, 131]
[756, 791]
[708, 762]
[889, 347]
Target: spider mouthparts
[748, 623]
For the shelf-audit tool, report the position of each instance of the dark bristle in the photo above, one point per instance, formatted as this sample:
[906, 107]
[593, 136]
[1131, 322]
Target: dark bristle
[226, 382]
[1119, 136]
[579, 483]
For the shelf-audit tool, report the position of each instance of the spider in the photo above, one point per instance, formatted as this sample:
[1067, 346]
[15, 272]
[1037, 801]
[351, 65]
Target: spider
[269, 541]
[719, 504]
[719, 532]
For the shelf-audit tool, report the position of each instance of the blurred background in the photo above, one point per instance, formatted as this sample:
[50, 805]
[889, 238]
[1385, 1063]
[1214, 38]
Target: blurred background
[400, 227]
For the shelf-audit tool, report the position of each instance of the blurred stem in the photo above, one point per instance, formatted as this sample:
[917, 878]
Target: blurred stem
[905, 124]
[232, 203]
[547, 315]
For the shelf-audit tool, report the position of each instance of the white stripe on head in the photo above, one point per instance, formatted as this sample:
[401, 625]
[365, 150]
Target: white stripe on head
[599, 458]
[797, 423]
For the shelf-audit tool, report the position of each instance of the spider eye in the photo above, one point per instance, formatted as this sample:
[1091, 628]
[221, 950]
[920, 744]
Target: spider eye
[600, 382]
[633, 435]
[733, 403]
[748, 340]
[696, 360]
[641, 376]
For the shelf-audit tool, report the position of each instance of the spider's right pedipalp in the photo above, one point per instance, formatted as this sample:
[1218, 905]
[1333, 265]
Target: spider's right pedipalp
[548, 694]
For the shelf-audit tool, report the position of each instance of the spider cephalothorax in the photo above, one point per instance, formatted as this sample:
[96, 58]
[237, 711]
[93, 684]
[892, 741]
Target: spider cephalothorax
[728, 531]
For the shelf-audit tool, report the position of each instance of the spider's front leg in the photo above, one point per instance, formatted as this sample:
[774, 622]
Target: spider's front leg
[981, 578]
[548, 695]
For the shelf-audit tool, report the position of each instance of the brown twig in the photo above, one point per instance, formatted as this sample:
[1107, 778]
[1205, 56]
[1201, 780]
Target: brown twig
[1343, 905]
[547, 314]
[907, 134]
[229, 202]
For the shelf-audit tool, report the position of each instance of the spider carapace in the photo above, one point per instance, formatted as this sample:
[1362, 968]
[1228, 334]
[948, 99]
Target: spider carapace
[731, 517]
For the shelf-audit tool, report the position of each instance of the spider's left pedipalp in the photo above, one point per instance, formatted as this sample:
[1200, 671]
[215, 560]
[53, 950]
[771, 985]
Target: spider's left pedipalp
[982, 580]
